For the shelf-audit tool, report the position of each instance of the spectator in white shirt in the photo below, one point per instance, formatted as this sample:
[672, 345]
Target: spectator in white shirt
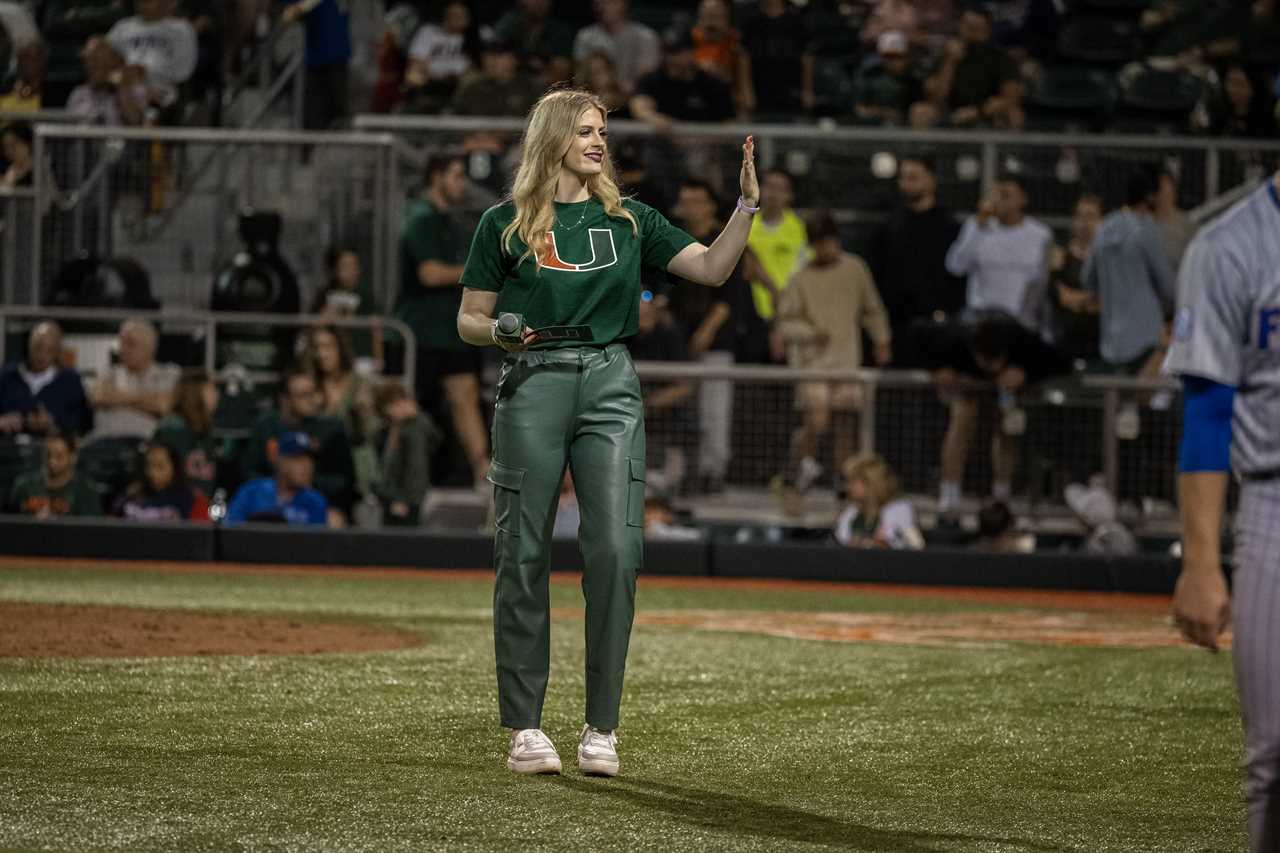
[133, 395]
[438, 59]
[161, 47]
[876, 517]
[1005, 255]
[105, 98]
[634, 48]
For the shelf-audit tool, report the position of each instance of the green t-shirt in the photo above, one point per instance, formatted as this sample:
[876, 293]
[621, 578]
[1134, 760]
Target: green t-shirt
[199, 453]
[32, 496]
[592, 276]
[432, 312]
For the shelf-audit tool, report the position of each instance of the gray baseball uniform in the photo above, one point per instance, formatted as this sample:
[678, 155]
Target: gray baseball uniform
[1230, 333]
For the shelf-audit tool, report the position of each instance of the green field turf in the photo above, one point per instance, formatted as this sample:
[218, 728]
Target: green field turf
[728, 742]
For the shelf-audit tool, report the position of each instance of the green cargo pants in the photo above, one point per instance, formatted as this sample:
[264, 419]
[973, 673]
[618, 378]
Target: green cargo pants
[579, 407]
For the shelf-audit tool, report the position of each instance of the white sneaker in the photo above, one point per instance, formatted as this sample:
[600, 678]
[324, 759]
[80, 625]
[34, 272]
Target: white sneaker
[597, 752]
[532, 752]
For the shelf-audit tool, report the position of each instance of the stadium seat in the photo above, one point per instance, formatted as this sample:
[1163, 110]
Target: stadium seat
[1157, 100]
[1099, 41]
[1061, 97]
[19, 454]
[111, 464]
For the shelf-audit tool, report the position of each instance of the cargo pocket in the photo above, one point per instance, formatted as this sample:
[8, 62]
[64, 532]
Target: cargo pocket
[635, 493]
[506, 515]
[506, 497]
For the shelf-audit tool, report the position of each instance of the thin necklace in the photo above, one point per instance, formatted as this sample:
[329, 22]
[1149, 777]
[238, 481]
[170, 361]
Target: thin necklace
[576, 224]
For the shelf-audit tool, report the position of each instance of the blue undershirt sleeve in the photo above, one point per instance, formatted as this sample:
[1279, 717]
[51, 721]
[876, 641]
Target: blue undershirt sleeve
[1206, 425]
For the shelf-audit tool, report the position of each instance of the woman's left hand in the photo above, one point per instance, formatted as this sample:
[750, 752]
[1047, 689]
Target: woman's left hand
[747, 179]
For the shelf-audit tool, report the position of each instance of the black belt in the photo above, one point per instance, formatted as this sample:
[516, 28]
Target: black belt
[1261, 476]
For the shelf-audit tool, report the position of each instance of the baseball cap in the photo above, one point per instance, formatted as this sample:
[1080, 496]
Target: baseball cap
[1093, 503]
[892, 42]
[497, 44]
[295, 444]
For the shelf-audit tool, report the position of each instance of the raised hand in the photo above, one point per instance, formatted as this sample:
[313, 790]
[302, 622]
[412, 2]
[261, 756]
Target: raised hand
[747, 179]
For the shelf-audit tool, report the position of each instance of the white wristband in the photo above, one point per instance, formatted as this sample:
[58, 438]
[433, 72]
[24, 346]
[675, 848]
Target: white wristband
[746, 208]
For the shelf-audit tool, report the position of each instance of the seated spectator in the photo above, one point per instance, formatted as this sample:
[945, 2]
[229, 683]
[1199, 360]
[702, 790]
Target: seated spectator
[300, 411]
[925, 23]
[328, 59]
[908, 259]
[717, 45]
[39, 395]
[977, 82]
[288, 496]
[543, 42]
[131, 397]
[411, 438]
[498, 89]
[670, 418]
[105, 98]
[159, 51]
[345, 395]
[1095, 508]
[18, 142]
[821, 317]
[633, 48]
[996, 348]
[1005, 255]
[189, 429]
[679, 90]
[1244, 107]
[886, 87]
[347, 294]
[56, 489]
[876, 515]
[1128, 269]
[599, 74]
[27, 93]
[661, 522]
[163, 493]
[998, 531]
[1075, 309]
[438, 60]
[776, 63]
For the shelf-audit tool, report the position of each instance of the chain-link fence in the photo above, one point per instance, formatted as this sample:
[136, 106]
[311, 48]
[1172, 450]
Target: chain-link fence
[1124, 429]
[183, 212]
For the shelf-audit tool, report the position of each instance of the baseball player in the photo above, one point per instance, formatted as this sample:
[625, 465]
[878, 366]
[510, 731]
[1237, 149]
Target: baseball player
[565, 254]
[1226, 348]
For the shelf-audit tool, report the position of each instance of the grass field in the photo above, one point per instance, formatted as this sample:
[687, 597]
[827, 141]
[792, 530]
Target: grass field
[731, 740]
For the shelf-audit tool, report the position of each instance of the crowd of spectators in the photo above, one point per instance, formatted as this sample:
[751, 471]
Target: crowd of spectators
[138, 440]
[1181, 65]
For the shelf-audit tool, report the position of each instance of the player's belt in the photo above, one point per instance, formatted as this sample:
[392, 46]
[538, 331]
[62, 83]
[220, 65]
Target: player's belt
[1261, 476]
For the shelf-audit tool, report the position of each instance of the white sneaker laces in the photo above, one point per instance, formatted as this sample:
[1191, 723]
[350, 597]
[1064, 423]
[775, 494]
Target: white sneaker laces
[593, 737]
[535, 740]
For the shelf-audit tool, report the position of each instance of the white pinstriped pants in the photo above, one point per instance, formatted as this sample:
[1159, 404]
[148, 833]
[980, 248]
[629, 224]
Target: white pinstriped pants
[1256, 652]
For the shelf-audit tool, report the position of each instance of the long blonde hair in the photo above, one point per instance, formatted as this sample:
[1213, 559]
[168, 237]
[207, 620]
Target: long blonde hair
[881, 483]
[552, 123]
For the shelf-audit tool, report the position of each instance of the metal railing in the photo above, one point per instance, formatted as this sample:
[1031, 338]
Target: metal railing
[205, 325]
[120, 191]
[1072, 423]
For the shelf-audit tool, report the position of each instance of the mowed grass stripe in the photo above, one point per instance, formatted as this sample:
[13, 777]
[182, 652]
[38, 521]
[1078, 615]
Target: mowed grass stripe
[729, 741]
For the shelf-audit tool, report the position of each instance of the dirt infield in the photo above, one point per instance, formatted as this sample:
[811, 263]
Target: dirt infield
[964, 629]
[1049, 617]
[77, 630]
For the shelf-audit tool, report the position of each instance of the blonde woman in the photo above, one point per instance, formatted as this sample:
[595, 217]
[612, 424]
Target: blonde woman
[876, 516]
[566, 251]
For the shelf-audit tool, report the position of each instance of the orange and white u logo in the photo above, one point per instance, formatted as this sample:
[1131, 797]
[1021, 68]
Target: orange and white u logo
[603, 253]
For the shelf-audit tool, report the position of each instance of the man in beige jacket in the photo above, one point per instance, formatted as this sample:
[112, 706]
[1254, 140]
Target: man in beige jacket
[820, 316]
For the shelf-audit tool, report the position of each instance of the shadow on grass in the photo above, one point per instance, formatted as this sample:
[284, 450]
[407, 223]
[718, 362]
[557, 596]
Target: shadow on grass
[735, 814]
